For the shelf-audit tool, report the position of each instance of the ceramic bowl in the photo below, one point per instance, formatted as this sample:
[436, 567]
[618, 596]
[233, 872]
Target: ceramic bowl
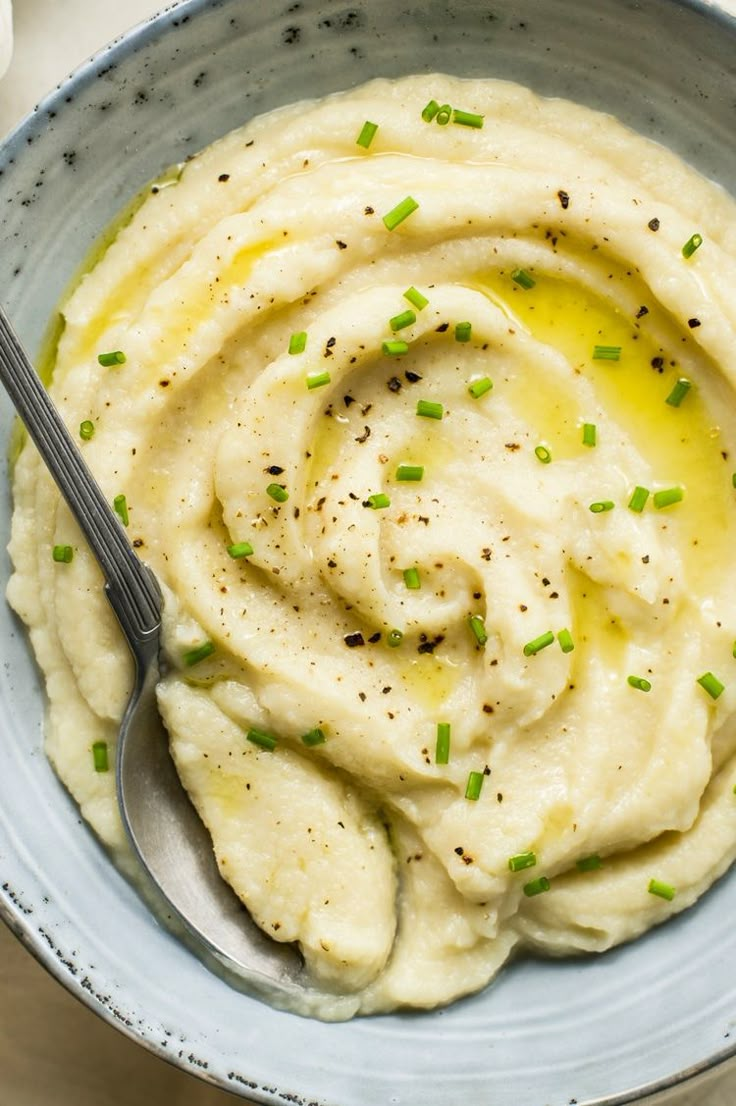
[584, 1031]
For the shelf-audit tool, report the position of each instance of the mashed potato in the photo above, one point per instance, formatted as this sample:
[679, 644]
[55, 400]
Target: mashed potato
[427, 429]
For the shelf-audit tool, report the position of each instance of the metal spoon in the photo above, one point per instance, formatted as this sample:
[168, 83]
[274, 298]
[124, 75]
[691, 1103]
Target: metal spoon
[162, 825]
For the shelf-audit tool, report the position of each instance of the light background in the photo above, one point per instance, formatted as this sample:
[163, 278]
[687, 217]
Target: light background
[53, 1050]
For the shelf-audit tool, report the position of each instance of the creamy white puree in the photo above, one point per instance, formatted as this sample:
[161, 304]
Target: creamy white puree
[363, 849]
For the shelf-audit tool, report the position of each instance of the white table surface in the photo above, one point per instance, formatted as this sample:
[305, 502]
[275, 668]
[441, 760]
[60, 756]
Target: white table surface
[53, 1050]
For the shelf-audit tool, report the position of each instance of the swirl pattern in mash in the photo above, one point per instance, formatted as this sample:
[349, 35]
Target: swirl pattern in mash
[361, 457]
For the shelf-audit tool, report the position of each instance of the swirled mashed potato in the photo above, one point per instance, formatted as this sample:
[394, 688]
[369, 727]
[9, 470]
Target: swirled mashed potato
[330, 624]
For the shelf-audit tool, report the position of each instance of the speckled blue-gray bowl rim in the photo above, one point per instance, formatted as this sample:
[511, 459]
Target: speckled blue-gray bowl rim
[683, 47]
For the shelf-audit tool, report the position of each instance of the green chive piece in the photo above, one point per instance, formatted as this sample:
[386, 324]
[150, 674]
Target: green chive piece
[444, 115]
[367, 134]
[565, 641]
[198, 653]
[397, 214]
[406, 318]
[522, 860]
[467, 118]
[100, 757]
[314, 737]
[474, 786]
[430, 111]
[589, 863]
[86, 430]
[394, 638]
[410, 472]
[479, 388]
[639, 498]
[694, 242]
[442, 750]
[601, 506]
[711, 684]
[733, 651]
[378, 501]
[240, 549]
[679, 391]
[463, 332]
[478, 628]
[606, 353]
[523, 279]
[429, 410]
[120, 505]
[298, 342]
[411, 578]
[733, 479]
[415, 298]
[663, 890]
[667, 497]
[277, 492]
[394, 349]
[590, 434]
[115, 357]
[317, 380]
[543, 454]
[533, 647]
[62, 553]
[639, 682]
[536, 886]
[261, 739]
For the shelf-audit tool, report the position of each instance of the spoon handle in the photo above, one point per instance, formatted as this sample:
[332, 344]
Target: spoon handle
[131, 587]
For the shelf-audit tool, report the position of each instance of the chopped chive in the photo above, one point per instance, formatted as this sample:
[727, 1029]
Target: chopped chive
[536, 886]
[398, 322]
[394, 638]
[198, 653]
[367, 134]
[733, 479]
[240, 549]
[115, 357]
[590, 434]
[442, 750]
[478, 628]
[100, 757]
[733, 650]
[606, 353]
[411, 578]
[410, 472]
[467, 118]
[62, 553]
[377, 501]
[317, 380]
[639, 683]
[601, 506]
[521, 861]
[474, 785]
[667, 497]
[639, 498]
[589, 863]
[429, 112]
[679, 391]
[86, 430]
[444, 115]
[314, 737]
[415, 298]
[394, 349]
[463, 332]
[711, 684]
[543, 454]
[523, 279]
[429, 410]
[479, 388]
[663, 890]
[298, 342]
[277, 492]
[261, 739]
[120, 505]
[694, 242]
[533, 647]
[565, 641]
[397, 214]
